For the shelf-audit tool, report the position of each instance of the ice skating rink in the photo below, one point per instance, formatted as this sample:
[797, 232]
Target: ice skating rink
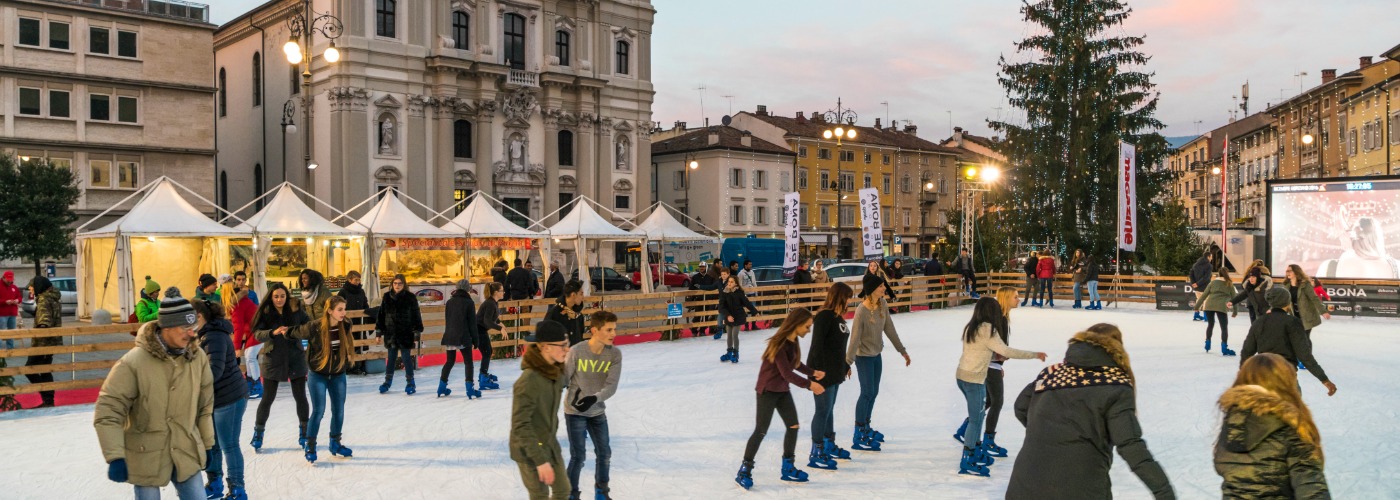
[680, 419]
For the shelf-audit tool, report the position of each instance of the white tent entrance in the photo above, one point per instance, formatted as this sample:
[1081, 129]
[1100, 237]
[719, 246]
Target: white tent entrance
[489, 235]
[421, 250]
[662, 227]
[290, 235]
[583, 224]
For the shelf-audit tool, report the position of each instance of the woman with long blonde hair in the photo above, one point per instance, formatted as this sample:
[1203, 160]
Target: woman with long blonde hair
[240, 309]
[328, 353]
[1269, 446]
[782, 364]
[996, 388]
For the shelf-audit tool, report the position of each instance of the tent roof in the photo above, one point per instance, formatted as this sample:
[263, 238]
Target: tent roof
[390, 218]
[661, 225]
[482, 221]
[162, 211]
[584, 222]
[286, 215]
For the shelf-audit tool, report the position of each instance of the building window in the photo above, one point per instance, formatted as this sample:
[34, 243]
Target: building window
[624, 50]
[58, 103]
[848, 156]
[258, 188]
[99, 107]
[99, 40]
[564, 206]
[848, 181]
[802, 179]
[223, 190]
[384, 13]
[127, 173]
[760, 179]
[30, 102]
[58, 35]
[736, 177]
[823, 180]
[223, 92]
[461, 29]
[457, 196]
[126, 109]
[760, 215]
[869, 181]
[257, 79]
[622, 202]
[678, 181]
[295, 79]
[885, 184]
[29, 31]
[462, 139]
[884, 159]
[907, 218]
[785, 181]
[100, 173]
[824, 216]
[848, 215]
[126, 43]
[823, 154]
[561, 47]
[867, 158]
[566, 148]
[515, 41]
[802, 151]
[736, 215]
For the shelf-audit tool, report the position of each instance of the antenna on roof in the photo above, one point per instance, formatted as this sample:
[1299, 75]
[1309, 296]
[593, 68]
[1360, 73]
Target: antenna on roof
[701, 88]
[731, 103]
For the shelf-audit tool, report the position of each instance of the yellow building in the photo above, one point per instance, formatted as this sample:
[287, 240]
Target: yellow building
[1368, 115]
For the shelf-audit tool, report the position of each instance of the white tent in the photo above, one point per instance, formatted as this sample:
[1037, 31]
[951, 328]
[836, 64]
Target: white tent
[662, 227]
[582, 224]
[389, 218]
[163, 236]
[480, 220]
[287, 216]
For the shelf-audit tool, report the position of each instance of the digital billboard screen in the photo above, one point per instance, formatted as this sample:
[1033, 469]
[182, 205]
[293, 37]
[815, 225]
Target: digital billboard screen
[1336, 228]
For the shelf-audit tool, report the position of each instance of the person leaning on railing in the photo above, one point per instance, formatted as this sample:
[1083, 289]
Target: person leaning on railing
[47, 314]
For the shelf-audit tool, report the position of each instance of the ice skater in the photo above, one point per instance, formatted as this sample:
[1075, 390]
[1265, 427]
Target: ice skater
[1256, 283]
[996, 388]
[1091, 281]
[1045, 274]
[488, 323]
[458, 337]
[781, 359]
[592, 370]
[1278, 332]
[230, 401]
[984, 336]
[872, 318]
[1269, 446]
[281, 358]
[399, 323]
[329, 348]
[1199, 277]
[1306, 304]
[534, 414]
[828, 357]
[732, 304]
[1214, 301]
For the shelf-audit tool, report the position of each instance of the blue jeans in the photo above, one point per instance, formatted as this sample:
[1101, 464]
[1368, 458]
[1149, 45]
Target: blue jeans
[228, 425]
[191, 488]
[823, 425]
[405, 355]
[1078, 291]
[580, 429]
[1094, 291]
[9, 323]
[976, 395]
[868, 369]
[318, 386]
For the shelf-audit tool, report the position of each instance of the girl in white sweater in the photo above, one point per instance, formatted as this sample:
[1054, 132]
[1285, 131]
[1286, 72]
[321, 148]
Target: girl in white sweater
[981, 338]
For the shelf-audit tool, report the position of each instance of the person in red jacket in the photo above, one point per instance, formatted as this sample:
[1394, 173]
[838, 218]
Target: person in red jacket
[10, 297]
[1319, 290]
[1045, 272]
[240, 308]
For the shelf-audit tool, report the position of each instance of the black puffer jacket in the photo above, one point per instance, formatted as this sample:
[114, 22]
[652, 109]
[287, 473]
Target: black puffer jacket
[1032, 263]
[554, 286]
[460, 327]
[828, 351]
[1260, 455]
[521, 284]
[1281, 333]
[355, 298]
[282, 357]
[1201, 272]
[570, 317]
[733, 304]
[216, 338]
[1086, 407]
[399, 320]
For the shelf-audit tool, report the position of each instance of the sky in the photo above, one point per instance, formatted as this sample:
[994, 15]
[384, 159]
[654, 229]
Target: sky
[935, 61]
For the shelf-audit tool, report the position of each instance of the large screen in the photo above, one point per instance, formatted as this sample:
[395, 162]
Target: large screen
[1336, 228]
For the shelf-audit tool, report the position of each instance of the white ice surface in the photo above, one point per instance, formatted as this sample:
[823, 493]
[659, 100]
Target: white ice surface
[680, 420]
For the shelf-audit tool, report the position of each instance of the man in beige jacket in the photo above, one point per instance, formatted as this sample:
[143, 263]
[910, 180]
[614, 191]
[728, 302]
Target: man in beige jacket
[154, 416]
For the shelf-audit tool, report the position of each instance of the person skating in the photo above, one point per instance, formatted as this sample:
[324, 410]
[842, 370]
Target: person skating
[48, 313]
[353, 291]
[1269, 446]
[781, 359]
[963, 266]
[1032, 265]
[399, 324]
[281, 359]
[748, 281]
[732, 305]
[984, 336]
[1045, 274]
[1255, 283]
[996, 387]
[154, 414]
[148, 308]
[1091, 281]
[1077, 277]
[1278, 332]
[1213, 300]
[592, 370]
[314, 292]
[871, 320]
[1307, 307]
[488, 323]
[568, 311]
[459, 337]
[230, 400]
[240, 308]
[830, 337]
[329, 348]
[1075, 414]
[1199, 277]
[534, 415]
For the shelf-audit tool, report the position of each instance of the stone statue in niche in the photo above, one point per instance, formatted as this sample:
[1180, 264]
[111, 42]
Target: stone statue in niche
[622, 155]
[386, 136]
[517, 154]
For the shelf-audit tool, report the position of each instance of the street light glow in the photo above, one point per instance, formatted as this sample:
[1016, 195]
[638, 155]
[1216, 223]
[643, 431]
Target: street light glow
[850, 134]
[840, 132]
[826, 134]
[1215, 170]
[928, 186]
[1307, 139]
[332, 54]
[991, 173]
[971, 172]
[694, 164]
[293, 52]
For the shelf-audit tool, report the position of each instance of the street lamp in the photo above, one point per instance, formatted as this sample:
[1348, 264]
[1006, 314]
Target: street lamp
[690, 164]
[973, 180]
[289, 126]
[298, 51]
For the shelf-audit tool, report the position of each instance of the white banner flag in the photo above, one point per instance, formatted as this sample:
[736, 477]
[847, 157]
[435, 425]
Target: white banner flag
[792, 224]
[872, 230]
[1127, 197]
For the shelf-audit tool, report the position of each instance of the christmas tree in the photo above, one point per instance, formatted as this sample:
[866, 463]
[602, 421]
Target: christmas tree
[1079, 91]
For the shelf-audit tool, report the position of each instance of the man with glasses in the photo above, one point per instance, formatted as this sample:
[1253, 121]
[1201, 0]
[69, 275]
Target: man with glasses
[534, 416]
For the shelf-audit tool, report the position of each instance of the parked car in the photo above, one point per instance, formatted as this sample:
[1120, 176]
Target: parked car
[674, 277]
[606, 278]
[770, 275]
[847, 271]
[67, 287]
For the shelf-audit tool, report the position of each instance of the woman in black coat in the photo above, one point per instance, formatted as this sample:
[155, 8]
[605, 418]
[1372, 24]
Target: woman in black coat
[353, 291]
[230, 393]
[830, 335]
[488, 320]
[732, 304]
[281, 358]
[458, 336]
[399, 323]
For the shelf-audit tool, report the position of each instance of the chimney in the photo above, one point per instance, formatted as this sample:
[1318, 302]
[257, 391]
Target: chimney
[680, 125]
[1328, 75]
[877, 124]
[1365, 61]
[746, 140]
[714, 136]
[958, 136]
[816, 117]
[762, 110]
[911, 129]
[801, 118]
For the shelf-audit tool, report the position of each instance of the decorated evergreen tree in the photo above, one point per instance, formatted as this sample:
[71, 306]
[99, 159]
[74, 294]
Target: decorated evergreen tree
[1080, 93]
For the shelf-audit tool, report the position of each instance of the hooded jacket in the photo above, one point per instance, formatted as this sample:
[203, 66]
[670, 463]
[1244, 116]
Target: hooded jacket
[1307, 307]
[1260, 455]
[534, 412]
[399, 319]
[281, 357]
[315, 296]
[1215, 296]
[1253, 294]
[48, 311]
[354, 295]
[10, 291]
[459, 330]
[1075, 416]
[1280, 333]
[216, 339]
[157, 411]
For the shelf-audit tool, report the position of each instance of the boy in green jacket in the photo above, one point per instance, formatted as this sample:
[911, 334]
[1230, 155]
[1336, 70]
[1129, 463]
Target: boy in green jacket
[534, 415]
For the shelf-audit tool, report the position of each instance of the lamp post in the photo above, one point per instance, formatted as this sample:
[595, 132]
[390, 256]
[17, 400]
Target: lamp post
[838, 116]
[298, 51]
[974, 180]
[690, 164]
[289, 126]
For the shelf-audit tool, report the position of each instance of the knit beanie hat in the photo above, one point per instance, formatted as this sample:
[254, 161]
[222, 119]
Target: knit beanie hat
[172, 292]
[869, 284]
[225, 278]
[151, 286]
[206, 279]
[1278, 298]
[176, 312]
[464, 285]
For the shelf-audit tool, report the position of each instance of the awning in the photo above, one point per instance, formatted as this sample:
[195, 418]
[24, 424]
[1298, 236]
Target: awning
[819, 239]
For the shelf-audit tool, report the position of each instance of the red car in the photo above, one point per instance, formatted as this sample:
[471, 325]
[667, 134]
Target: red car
[674, 277]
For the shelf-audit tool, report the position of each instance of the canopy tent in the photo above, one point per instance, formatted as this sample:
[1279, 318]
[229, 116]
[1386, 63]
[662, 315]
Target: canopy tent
[662, 227]
[163, 236]
[286, 216]
[582, 224]
[480, 220]
[390, 218]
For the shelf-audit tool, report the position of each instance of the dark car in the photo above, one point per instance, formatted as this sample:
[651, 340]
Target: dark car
[766, 276]
[606, 278]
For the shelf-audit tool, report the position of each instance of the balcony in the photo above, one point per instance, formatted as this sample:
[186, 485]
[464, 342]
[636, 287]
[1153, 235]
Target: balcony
[928, 197]
[1198, 194]
[522, 78]
[177, 9]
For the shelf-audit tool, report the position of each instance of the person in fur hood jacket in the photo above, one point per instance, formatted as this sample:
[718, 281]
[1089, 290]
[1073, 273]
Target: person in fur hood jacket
[1269, 446]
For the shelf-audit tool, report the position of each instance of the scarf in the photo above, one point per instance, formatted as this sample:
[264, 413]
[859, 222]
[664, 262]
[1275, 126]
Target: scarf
[1065, 376]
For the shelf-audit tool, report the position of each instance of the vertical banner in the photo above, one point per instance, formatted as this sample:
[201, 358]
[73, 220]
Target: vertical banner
[792, 223]
[872, 231]
[1224, 195]
[1127, 197]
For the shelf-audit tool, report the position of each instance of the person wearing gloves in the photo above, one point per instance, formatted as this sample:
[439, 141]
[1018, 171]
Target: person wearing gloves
[230, 401]
[459, 337]
[1269, 446]
[592, 370]
[399, 323]
[1278, 332]
[872, 318]
[149, 305]
[534, 413]
[154, 416]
